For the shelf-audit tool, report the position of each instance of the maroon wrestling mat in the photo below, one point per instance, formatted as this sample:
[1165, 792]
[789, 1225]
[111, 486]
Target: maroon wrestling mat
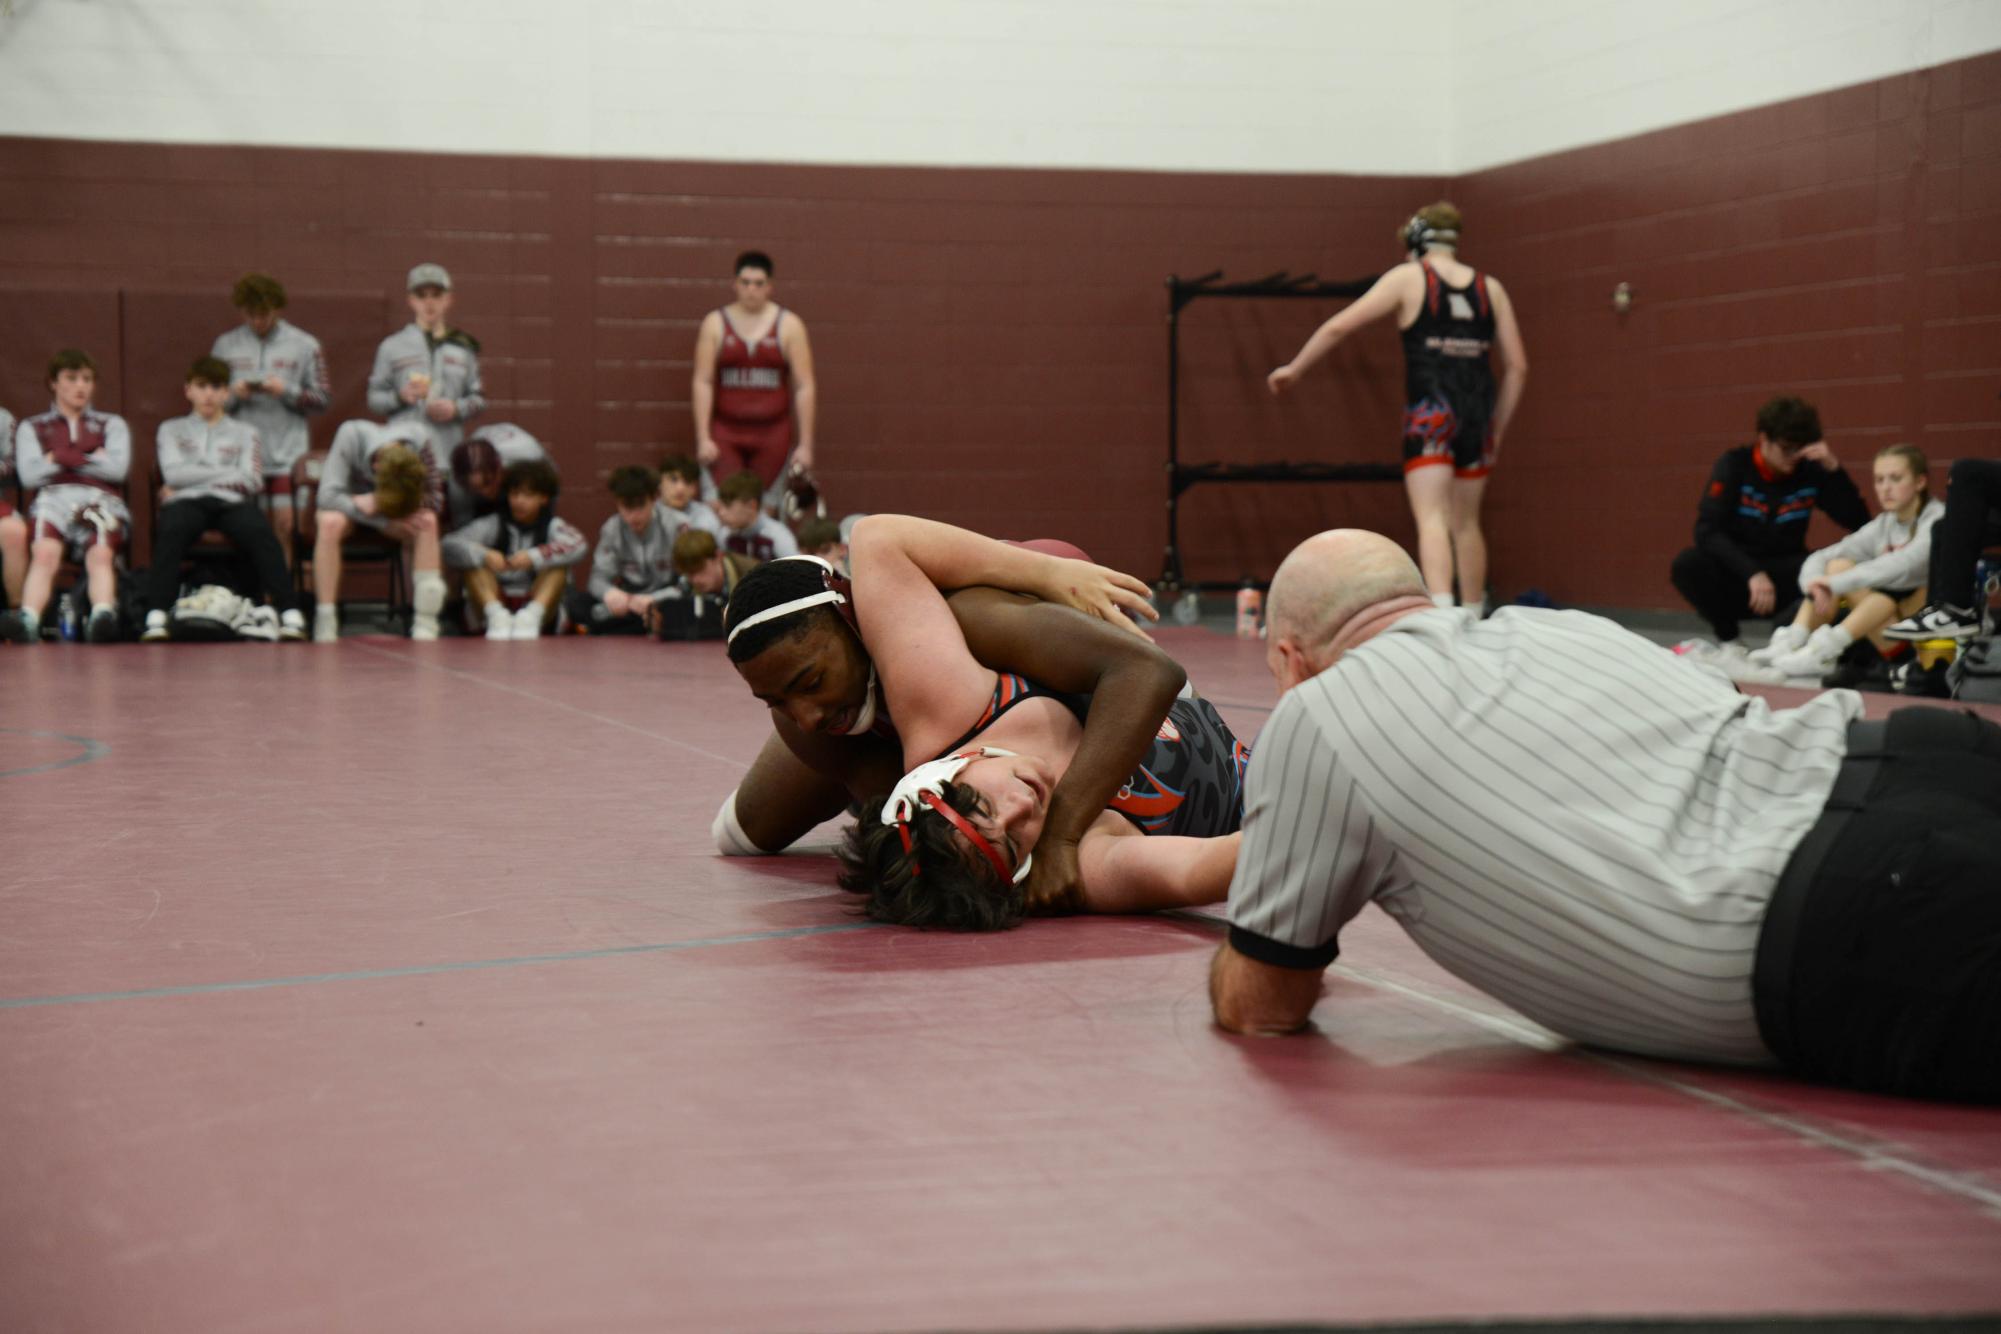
[396, 987]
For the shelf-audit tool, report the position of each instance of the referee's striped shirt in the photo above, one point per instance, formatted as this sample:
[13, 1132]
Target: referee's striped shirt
[1559, 812]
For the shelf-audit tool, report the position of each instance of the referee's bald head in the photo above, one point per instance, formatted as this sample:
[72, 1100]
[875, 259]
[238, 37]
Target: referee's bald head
[1325, 588]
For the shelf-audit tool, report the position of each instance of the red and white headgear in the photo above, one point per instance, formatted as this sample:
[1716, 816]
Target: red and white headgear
[925, 786]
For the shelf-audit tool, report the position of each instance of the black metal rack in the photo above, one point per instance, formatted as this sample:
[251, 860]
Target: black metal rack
[1180, 476]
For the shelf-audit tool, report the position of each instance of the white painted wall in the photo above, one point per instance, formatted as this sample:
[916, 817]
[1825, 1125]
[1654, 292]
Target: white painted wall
[1223, 85]
[1540, 76]
[1219, 85]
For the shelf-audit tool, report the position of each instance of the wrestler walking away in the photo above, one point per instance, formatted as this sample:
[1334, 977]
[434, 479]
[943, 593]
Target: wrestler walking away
[1455, 414]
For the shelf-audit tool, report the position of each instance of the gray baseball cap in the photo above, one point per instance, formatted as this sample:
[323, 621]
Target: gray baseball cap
[428, 275]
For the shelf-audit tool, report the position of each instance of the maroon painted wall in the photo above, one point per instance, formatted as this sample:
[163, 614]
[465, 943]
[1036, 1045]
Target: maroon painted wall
[991, 343]
[1842, 247]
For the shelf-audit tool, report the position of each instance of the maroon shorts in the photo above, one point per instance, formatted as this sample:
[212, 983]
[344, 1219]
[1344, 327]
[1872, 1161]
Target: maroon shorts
[761, 447]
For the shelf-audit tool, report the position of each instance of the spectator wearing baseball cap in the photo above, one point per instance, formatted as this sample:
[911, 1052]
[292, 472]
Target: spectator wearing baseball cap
[428, 371]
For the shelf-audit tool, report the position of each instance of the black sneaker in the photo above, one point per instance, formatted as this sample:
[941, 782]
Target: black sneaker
[103, 627]
[14, 629]
[1936, 620]
[1859, 671]
[1922, 682]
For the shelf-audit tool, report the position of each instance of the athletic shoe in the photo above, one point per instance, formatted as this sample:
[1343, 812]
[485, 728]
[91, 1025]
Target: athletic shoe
[499, 621]
[1861, 668]
[1937, 620]
[528, 622]
[260, 623]
[291, 625]
[21, 627]
[1786, 639]
[1923, 682]
[103, 627]
[424, 627]
[1815, 658]
[156, 628]
[326, 624]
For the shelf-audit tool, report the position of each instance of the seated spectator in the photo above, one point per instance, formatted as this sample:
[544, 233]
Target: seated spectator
[13, 528]
[385, 478]
[747, 529]
[210, 468]
[76, 458]
[1875, 575]
[680, 480]
[709, 569]
[517, 560]
[634, 560]
[427, 372]
[278, 378]
[1972, 522]
[1750, 530]
[822, 537]
[473, 489]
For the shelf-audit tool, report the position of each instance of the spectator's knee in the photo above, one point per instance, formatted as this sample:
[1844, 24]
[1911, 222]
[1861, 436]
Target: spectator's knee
[48, 551]
[330, 524]
[423, 521]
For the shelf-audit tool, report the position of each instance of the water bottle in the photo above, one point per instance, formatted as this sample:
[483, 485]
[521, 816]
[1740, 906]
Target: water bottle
[1250, 610]
[1188, 608]
[66, 624]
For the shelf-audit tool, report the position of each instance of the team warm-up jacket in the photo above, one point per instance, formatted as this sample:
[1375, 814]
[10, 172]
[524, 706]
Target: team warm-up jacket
[294, 356]
[220, 458]
[452, 362]
[765, 539]
[1888, 554]
[1750, 515]
[350, 466]
[512, 444]
[560, 547]
[635, 562]
[96, 454]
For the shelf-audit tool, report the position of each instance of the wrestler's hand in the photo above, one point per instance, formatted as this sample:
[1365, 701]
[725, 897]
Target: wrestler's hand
[1053, 878]
[1281, 379]
[1097, 591]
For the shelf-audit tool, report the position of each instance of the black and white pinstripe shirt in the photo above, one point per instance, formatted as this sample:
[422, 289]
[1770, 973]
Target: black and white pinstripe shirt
[1559, 812]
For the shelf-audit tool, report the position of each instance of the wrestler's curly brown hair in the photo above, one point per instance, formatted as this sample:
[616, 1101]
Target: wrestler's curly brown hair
[956, 888]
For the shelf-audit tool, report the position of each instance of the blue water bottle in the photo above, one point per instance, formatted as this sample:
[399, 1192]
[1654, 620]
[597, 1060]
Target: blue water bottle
[66, 617]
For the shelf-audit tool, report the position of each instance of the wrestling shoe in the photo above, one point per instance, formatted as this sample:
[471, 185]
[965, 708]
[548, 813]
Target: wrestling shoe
[260, 623]
[156, 628]
[1923, 682]
[1937, 620]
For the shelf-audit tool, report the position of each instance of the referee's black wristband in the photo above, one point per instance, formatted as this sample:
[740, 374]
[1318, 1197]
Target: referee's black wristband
[1281, 955]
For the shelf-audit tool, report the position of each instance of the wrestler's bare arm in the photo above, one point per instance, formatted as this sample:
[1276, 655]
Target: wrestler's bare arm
[1124, 870]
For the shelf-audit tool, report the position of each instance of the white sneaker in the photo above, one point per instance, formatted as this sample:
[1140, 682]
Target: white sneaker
[1816, 657]
[260, 623]
[499, 621]
[326, 624]
[292, 626]
[528, 622]
[1786, 639]
[424, 626]
[156, 628]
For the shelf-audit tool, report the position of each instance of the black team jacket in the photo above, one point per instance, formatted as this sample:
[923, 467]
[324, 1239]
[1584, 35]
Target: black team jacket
[1750, 515]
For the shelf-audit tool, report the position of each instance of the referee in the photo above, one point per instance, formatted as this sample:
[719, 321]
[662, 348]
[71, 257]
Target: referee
[1635, 856]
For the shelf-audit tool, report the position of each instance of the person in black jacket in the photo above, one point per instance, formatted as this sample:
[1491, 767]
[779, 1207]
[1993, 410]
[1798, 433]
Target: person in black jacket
[1750, 530]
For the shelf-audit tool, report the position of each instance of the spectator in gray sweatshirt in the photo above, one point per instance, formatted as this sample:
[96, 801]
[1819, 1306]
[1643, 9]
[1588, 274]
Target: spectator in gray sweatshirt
[473, 489]
[517, 560]
[634, 561]
[386, 478]
[211, 469]
[428, 371]
[278, 378]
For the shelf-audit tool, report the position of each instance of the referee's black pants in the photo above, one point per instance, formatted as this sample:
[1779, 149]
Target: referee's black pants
[1879, 963]
[241, 521]
[1723, 597]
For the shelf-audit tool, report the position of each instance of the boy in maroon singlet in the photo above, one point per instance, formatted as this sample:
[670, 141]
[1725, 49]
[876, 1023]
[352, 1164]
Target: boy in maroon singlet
[753, 381]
